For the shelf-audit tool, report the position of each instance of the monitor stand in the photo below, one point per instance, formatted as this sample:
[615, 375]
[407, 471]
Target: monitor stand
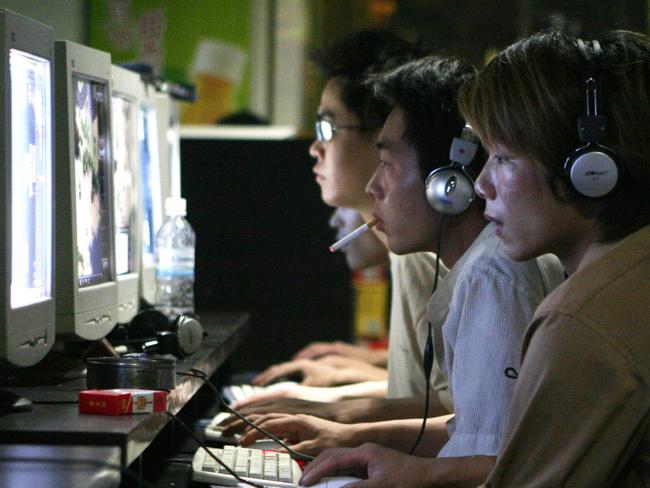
[11, 403]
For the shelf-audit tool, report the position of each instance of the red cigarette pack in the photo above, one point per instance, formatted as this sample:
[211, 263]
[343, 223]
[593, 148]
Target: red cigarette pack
[122, 401]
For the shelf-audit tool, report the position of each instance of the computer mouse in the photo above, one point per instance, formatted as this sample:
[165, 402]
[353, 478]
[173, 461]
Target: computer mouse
[335, 481]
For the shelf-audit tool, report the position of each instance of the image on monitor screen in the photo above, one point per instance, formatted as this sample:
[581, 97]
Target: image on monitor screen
[150, 174]
[92, 171]
[31, 156]
[125, 146]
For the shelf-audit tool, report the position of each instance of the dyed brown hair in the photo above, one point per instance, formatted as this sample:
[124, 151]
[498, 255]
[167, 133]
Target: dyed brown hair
[529, 99]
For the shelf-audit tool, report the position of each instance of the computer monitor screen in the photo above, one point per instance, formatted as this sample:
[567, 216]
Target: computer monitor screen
[91, 180]
[151, 186]
[125, 145]
[31, 182]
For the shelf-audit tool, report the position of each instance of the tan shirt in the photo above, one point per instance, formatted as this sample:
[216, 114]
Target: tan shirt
[412, 283]
[580, 415]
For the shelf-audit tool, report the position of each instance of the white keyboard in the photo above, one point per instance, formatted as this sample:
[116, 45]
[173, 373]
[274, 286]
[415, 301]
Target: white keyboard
[274, 469]
[214, 432]
[233, 393]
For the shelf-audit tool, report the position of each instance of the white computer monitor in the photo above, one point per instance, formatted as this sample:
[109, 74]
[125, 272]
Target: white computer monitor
[125, 92]
[27, 327]
[86, 285]
[151, 190]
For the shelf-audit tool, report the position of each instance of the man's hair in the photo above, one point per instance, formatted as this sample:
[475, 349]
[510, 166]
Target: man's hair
[426, 91]
[353, 58]
[529, 99]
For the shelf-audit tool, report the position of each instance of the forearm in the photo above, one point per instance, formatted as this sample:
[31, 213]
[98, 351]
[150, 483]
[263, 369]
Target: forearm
[378, 409]
[401, 435]
[364, 389]
[378, 357]
[368, 372]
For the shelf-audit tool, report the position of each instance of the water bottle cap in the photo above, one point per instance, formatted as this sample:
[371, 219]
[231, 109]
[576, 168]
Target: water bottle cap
[175, 206]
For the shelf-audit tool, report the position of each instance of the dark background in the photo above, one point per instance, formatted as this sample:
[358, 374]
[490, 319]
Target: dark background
[262, 235]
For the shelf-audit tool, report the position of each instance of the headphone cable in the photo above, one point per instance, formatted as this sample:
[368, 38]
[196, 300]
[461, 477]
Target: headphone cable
[210, 453]
[197, 373]
[427, 359]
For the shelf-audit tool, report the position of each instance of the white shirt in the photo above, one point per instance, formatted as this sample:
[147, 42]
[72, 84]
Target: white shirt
[490, 301]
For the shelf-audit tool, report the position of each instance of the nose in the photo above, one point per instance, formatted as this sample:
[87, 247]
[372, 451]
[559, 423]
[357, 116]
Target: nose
[373, 187]
[316, 149]
[484, 186]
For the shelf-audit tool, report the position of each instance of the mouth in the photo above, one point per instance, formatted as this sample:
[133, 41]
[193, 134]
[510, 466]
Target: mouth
[498, 229]
[380, 224]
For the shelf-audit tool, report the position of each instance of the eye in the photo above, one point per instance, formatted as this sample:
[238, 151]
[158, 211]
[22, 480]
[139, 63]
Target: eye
[501, 159]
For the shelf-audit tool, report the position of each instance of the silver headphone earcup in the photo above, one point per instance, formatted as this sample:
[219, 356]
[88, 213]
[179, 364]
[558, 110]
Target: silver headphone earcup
[593, 172]
[449, 191]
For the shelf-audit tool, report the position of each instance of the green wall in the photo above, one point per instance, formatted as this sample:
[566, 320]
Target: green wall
[184, 24]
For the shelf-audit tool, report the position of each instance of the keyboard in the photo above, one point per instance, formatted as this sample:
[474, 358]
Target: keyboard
[214, 432]
[267, 468]
[233, 393]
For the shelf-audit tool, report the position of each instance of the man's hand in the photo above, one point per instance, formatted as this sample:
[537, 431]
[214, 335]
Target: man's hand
[303, 433]
[327, 371]
[234, 425]
[315, 350]
[382, 466]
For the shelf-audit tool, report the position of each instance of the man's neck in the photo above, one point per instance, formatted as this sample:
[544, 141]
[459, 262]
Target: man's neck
[459, 233]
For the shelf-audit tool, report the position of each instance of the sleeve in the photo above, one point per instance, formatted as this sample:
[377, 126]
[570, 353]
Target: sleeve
[576, 395]
[483, 334]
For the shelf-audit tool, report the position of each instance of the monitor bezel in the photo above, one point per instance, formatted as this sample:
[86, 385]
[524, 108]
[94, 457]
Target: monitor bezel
[27, 333]
[127, 84]
[89, 312]
[148, 270]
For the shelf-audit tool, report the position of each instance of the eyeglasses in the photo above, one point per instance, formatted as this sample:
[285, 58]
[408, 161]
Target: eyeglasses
[325, 129]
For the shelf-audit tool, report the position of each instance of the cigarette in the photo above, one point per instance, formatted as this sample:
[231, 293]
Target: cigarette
[341, 243]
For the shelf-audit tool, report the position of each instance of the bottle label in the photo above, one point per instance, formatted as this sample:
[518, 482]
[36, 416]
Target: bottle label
[176, 263]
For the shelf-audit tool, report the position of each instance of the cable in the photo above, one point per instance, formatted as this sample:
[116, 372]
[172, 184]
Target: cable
[197, 373]
[209, 452]
[427, 359]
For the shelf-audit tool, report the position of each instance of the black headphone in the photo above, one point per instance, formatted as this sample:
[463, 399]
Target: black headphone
[450, 189]
[156, 333]
[593, 169]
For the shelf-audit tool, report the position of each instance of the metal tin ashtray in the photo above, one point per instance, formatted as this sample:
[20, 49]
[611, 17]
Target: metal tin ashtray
[131, 372]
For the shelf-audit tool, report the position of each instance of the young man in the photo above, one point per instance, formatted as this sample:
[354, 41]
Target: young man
[348, 123]
[580, 414]
[479, 311]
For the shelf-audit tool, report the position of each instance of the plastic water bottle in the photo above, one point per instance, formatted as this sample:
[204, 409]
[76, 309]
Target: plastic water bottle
[175, 243]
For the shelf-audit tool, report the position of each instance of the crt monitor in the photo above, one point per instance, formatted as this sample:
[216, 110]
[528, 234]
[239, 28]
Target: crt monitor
[27, 329]
[125, 89]
[151, 190]
[86, 288]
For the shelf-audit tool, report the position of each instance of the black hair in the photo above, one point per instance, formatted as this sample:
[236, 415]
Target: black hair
[426, 91]
[353, 58]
